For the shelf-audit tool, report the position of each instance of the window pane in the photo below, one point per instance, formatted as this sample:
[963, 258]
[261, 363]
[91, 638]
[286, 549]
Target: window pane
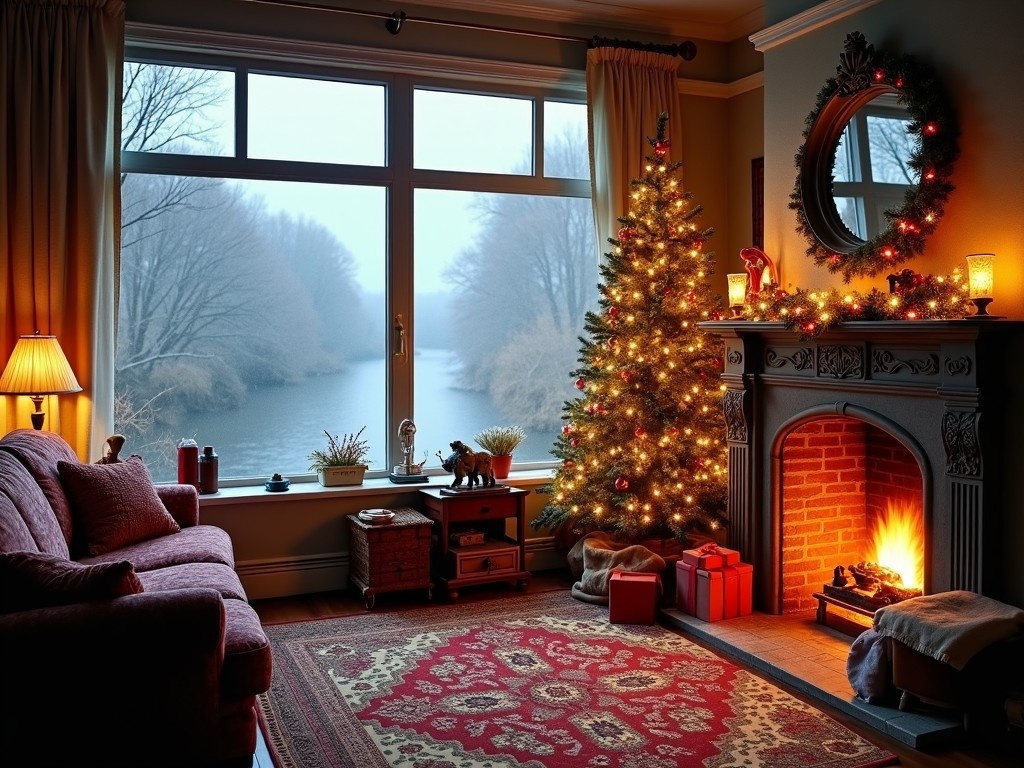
[181, 110]
[316, 121]
[502, 283]
[565, 127]
[846, 167]
[466, 132]
[891, 147]
[251, 316]
[851, 211]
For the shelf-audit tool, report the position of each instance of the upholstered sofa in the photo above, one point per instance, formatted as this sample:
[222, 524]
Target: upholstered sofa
[125, 635]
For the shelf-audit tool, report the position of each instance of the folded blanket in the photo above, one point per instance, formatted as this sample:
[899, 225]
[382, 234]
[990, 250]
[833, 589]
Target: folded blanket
[950, 627]
[594, 557]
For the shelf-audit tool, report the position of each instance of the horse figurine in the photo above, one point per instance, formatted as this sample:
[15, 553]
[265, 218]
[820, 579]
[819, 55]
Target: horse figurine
[467, 463]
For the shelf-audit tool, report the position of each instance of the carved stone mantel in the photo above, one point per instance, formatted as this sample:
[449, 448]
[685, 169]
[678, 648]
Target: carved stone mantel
[952, 391]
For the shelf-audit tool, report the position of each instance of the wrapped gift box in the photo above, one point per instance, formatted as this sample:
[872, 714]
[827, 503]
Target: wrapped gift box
[710, 603]
[738, 590]
[710, 557]
[686, 587]
[632, 597]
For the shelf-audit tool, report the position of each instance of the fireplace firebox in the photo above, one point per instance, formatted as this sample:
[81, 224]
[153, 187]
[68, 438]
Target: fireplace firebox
[827, 435]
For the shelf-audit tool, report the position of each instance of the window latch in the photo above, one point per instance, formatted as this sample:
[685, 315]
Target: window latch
[399, 337]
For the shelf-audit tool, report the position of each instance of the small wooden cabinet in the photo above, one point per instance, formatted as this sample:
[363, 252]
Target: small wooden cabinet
[499, 515]
[391, 557]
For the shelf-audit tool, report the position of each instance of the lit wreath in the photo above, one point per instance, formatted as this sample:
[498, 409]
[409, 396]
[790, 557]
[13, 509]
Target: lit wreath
[933, 121]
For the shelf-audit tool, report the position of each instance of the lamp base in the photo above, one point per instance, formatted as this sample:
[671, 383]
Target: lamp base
[39, 416]
[982, 313]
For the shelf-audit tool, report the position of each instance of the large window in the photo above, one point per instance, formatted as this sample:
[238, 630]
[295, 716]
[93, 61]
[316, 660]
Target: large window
[306, 249]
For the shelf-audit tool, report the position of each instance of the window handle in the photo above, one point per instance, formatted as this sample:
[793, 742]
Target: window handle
[399, 337]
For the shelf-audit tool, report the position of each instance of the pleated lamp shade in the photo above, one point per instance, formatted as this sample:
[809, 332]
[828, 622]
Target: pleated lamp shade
[38, 367]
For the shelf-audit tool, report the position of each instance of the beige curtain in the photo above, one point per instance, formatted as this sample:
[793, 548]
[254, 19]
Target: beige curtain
[60, 210]
[626, 91]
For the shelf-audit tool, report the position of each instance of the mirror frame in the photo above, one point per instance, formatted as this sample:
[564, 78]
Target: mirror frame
[861, 76]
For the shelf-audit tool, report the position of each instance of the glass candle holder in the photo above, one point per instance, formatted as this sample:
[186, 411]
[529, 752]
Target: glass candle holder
[737, 292]
[981, 280]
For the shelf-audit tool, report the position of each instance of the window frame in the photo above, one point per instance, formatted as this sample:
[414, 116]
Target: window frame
[397, 175]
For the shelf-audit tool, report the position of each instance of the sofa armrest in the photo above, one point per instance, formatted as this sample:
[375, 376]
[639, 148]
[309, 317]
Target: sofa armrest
[132, 669]
[182, 501]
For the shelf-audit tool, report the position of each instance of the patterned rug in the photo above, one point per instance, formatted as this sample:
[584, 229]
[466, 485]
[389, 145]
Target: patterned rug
[531, 680]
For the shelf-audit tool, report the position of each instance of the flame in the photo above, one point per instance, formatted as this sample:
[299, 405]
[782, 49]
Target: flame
[898, 541]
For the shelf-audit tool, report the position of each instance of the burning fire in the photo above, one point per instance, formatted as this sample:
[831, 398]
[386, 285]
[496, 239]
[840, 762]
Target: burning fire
[898, 542]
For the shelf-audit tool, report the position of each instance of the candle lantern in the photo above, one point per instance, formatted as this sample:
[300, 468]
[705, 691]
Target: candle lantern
[737, 292]
[980, 281]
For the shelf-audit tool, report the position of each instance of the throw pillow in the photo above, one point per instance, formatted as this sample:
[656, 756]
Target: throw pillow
[38, 580]
[114, 505]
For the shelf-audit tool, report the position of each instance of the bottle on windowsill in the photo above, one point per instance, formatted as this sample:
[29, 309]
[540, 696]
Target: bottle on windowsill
[208, 469]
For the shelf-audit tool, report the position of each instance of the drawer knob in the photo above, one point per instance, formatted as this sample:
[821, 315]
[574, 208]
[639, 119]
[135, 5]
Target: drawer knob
[486, 564]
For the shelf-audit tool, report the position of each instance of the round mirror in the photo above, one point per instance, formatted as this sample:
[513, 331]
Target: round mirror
[874, 169]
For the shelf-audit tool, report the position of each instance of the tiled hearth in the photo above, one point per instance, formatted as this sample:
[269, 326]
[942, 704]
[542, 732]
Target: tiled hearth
[811, 658]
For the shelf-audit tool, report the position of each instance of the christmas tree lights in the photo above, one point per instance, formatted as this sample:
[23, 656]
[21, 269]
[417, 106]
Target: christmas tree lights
[642, 453]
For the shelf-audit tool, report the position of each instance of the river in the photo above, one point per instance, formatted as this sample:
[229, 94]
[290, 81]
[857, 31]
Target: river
[275, 428]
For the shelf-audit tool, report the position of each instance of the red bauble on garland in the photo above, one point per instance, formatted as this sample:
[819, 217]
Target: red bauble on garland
[581, 384]
[621, 483]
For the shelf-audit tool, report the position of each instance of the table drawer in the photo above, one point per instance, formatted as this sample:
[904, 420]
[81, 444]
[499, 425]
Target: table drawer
[484, 559]
[470, 509]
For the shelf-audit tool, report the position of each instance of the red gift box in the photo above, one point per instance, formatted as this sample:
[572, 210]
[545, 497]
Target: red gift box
[686, 587]
[710, 595]
[711, 556]
[739, 590]
[632, 597]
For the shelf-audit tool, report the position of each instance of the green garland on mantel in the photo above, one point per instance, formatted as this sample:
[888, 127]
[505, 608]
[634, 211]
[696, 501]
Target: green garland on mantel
[934, 122]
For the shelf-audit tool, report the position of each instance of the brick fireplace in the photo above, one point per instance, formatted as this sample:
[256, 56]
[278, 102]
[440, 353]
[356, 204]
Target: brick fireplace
[825, 434]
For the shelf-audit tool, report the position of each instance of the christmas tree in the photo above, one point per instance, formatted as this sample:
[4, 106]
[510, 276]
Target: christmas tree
[643, 452]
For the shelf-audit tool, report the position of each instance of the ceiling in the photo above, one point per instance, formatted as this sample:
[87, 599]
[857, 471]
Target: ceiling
[721, 20]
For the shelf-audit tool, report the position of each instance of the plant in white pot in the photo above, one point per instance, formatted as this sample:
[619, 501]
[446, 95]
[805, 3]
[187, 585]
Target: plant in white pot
[501, 443]
[343, 461]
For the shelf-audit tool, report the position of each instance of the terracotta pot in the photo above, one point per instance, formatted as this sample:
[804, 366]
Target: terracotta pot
[501, 465]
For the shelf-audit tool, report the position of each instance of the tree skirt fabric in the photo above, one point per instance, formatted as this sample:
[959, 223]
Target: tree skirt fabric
[526, 682]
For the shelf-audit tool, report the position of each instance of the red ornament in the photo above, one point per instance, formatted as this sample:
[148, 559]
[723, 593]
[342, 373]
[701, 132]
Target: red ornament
[621, 483]
[661, 148]
[627, 233]
[568, 463]
[640, 432]
[625, 376]
[581, 384]
[567, 429]
[574, 443]
[613, 312]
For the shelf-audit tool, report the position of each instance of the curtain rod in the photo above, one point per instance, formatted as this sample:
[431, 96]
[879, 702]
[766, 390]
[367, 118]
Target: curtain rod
[393, 22]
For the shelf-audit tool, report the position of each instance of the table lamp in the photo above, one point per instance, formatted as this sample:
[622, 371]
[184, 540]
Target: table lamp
[37, 368]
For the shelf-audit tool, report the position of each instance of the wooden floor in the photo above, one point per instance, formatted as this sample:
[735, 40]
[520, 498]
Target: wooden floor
[340, 603]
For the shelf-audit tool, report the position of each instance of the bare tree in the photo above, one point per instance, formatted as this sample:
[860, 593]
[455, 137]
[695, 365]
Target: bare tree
[531, 275]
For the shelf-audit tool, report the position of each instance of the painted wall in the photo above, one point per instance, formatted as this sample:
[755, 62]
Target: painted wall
[980, 64]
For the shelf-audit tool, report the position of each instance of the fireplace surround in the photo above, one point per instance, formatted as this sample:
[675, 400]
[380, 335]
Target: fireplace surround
[948, 392]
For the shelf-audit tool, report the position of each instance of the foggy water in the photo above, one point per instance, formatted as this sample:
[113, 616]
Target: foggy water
[291, 420]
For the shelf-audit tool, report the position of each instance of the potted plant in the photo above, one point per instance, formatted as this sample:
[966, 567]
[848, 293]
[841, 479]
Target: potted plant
[500, 442]
[343, 461]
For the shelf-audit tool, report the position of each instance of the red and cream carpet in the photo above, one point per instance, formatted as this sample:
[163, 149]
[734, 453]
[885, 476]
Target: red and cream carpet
[532, 680]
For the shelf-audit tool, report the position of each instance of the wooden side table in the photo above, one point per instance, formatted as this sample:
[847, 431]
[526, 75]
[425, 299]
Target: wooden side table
[494, 554]
[390, 557]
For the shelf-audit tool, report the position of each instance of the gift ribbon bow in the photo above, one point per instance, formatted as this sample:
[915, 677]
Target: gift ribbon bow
[711, 548]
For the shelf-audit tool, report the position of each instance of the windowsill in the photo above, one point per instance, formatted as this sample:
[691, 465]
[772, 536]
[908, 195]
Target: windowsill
[377, 486]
